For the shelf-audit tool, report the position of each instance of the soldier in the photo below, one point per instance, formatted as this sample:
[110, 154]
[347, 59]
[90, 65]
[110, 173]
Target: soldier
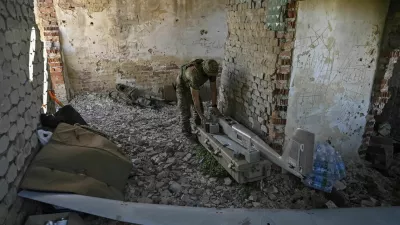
[192, 77]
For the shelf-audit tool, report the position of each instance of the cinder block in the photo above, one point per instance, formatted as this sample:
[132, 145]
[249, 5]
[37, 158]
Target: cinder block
[12, 132]
[12, 173]
[21, 124]
[4, 124]
[5, 105]
[20, 161]
[3, 166]
[11, 153]
[21, 107]
[19, 142]
[3, 210]
[10, 197]
[3, 188]
[14, 97]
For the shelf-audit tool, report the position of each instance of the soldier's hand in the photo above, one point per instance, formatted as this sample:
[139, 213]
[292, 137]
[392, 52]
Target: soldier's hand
[216, 112]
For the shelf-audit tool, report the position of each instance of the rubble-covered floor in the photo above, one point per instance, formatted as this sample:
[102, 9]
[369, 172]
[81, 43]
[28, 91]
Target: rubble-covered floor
[166, 170]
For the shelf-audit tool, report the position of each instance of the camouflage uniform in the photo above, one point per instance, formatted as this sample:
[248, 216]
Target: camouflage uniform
[193, 75]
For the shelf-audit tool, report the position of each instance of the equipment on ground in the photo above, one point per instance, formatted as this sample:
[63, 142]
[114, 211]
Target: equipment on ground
[79, 160]
[247, 157]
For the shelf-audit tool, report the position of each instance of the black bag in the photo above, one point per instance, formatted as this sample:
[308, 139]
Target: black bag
[66, 114]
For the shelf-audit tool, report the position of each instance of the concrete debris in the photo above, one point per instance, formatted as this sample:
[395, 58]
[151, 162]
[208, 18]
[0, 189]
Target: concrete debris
[227, 181]
[384, 129]
[330, 205]
[167, 171]
[340, 186]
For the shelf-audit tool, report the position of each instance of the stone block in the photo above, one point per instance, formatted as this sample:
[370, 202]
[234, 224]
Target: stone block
[21, 124]
[21, 107]
[10, 197]
[13, 114]
[7, 52]
[12, 132]
[11, 216]
[11, 153]
[22, 77]
[28, 87]
[21, 91]
[34, 140]
[4, 124]
[14, 82]
[12, 173]
[5, 87]
[19, 142]
[3, 208]
[5, 105]
[27, 132]
[3, 166]
[15, 65]
[14, 97]
[20, 161]
[28, 101]
[2, 25]
[3, 188]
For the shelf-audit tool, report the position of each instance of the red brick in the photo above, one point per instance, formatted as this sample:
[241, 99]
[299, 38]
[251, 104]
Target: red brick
[285, 55]
[280, 34]
[284, 70]
[289, 35]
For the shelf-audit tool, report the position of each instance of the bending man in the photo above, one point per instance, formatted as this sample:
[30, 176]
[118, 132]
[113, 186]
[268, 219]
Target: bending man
[192, 77]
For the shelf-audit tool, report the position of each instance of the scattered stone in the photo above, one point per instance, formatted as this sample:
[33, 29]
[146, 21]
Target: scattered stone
[256, 204]
[272, 197]
[369, 203]
[145, 200]
[187, 157]
[162, 174]
[171, 160]
[340, 186]
[272, 190]
[144, 134]
[213, 179]
[160, 184]
[330, 205]
[227, 181]
[175, 187]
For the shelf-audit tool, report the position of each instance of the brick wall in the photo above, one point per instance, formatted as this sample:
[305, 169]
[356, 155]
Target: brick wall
[21, 94]
[385, 98]
[48, 24]
[257, 65]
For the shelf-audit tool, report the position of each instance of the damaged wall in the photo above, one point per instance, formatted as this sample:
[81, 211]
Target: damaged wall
[143, 42]
[336, 48]
[22, 68]
[389, 85]
[256, 70]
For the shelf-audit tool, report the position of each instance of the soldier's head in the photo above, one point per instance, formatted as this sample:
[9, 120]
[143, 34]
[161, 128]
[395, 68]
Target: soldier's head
[210, 67]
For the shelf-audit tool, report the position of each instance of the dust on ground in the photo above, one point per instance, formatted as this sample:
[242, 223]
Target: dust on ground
[167, 171]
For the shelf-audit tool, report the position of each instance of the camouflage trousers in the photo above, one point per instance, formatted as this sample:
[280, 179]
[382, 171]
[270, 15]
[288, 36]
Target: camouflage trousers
[185, 105]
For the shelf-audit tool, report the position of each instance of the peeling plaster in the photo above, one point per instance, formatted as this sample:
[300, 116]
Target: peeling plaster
[334, 64]
[152, 32]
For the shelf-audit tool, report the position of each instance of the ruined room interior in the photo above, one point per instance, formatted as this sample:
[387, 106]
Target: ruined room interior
[326, 67]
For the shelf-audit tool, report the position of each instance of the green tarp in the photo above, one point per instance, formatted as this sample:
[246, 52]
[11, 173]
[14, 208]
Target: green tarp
[77, 160]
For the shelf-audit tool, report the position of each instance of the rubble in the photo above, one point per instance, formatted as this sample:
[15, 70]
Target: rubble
[167, 170]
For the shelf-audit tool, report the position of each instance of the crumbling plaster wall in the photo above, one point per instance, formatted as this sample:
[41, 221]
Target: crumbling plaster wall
[336, 49]
[390, 102]
[142, 42]
[22, 74]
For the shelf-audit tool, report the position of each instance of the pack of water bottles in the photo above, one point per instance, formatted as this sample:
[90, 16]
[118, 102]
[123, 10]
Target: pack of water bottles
[327, 169]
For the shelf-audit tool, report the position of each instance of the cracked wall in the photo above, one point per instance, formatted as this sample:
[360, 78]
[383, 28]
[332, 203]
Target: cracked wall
[22, 76]
[137, 42]
[256, 70]
[385, 98]
[335, 59]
